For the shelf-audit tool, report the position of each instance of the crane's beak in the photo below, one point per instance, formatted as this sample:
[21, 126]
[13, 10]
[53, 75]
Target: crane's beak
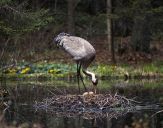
[56, 42]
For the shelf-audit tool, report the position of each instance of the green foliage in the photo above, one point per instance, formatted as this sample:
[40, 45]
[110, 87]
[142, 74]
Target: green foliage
[104, 70]
[150, 68]
[4, 2]
[91, 25]
[90, 16]
[141, 34]
[20, 20]
[56, 70]
[111, 70]
[65, 70]
[140, 18]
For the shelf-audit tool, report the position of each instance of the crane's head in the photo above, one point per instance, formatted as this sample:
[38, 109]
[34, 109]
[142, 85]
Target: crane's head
[95, 80]
[59, 37]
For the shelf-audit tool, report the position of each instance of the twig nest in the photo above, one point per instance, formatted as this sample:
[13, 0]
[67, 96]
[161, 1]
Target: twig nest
[88, 102]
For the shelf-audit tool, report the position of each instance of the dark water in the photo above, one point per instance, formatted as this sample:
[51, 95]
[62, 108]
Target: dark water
[18, 98]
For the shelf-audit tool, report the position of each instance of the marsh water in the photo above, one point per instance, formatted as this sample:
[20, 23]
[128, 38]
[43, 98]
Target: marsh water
[19, 96]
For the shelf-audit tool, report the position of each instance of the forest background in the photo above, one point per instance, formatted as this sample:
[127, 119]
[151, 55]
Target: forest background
[122, 31]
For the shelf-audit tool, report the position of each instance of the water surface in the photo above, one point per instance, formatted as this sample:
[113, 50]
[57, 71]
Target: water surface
[20, 97]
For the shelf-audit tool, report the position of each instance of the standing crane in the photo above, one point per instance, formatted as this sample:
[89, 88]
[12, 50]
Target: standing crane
[82, 52]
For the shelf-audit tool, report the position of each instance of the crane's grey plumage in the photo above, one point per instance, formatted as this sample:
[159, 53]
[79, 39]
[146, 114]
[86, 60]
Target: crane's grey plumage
[81, 51]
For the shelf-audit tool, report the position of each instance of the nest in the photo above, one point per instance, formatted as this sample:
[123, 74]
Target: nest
[86, 104]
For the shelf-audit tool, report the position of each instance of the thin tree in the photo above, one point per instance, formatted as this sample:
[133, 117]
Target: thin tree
[71, 8]
[110, 30]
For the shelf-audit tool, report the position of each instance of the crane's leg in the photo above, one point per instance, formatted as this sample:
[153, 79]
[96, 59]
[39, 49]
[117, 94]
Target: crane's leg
[95, 88]
[78, 74]
[81, 77]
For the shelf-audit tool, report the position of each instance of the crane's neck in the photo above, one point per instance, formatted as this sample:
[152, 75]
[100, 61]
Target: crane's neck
[92, 75]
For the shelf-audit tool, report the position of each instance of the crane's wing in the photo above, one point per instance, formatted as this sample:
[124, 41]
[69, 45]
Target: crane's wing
[77, 47]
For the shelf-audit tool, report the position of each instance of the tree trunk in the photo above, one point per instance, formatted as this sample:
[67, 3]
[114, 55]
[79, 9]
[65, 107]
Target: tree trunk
[110, 30]
[55, 6]
[71, 7]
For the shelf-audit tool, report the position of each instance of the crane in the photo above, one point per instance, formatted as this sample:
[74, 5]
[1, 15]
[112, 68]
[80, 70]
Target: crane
[82, 52]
